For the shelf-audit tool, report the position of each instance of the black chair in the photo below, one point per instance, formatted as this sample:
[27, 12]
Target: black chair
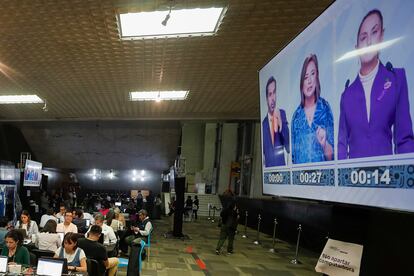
[42, 253]
[93, 267]
[33, 259]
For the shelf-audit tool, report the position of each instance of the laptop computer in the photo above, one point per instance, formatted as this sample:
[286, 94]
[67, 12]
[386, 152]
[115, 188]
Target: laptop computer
[64, 261]
[23, 232]
[3, 264]
[50, 267]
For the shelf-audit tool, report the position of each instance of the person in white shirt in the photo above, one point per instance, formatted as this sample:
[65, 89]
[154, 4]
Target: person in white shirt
[46, 217]
[88, 216]
[107, 231]
[61, 215]
[26, 223]
[48, 239]
[67, 226]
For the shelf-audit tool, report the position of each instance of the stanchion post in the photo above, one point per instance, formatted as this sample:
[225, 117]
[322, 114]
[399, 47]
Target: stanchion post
[257, 241]
[209, 208]
[214, 214]
[295, 260]
[273, 250]
[245, 225]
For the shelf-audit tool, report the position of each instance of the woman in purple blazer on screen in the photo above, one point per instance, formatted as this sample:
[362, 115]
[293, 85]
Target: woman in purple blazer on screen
[375, 112]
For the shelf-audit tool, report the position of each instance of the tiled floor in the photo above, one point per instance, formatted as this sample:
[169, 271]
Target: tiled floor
[196, 256]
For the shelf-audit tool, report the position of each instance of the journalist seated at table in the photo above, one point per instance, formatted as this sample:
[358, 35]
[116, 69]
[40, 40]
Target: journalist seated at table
[94, 250]
[107, 231]
[140, 231]
[118, 222]
[80, 221]
[48, 239]
[50, 214]
[14, 249]
[27, 224]
[3, 230]
[67, 226]
[69, 250]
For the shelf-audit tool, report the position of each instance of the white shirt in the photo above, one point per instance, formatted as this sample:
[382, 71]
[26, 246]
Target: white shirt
[367, 82]
[60, 217]
[108, 232]
[89, 216]
[70, 257]
[61, 227]
[47, 241]
[33, 229]
[117, 225]
[45, 218]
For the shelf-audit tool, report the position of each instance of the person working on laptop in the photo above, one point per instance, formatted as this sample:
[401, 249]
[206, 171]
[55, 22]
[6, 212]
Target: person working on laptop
[46, 217]
[14, 251]
[26, 223]
[67, 226]
[76, 256]
[107, 231]
[79, 221]
[48, 239]
[94, 250]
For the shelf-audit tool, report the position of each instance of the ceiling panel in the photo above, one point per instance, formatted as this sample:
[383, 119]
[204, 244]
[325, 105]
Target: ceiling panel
[69, 53]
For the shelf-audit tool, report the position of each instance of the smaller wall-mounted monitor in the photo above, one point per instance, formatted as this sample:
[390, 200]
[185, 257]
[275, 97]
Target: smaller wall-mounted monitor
[32, 174]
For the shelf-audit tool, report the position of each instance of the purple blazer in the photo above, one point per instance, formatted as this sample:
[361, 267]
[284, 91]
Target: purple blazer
[390, 120]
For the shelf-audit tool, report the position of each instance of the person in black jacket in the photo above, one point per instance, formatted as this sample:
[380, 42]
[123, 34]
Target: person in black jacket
[229, 217]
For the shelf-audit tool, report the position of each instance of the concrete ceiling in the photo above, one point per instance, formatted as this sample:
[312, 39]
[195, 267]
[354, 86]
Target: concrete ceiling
[119, 145]
[70, 53]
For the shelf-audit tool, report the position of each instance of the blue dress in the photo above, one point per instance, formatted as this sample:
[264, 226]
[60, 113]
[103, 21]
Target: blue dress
[305, 145]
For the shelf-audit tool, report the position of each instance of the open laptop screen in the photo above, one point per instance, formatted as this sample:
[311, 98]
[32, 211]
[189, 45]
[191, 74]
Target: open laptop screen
[3, 264]
[49, 267]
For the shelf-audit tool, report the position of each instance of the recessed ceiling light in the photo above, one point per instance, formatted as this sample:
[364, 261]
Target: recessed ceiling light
[186, 22]
[20, 99]
[157, 95]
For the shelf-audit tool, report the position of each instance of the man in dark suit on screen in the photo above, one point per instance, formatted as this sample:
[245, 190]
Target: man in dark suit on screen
[275, 130]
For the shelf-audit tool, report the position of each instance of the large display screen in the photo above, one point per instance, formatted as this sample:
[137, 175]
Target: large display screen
[336, 108]
[32, 173]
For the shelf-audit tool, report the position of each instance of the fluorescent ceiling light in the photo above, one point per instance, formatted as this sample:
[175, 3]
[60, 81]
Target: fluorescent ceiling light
[184, 22]
[369, 49]
[20, 99]
[158, 95]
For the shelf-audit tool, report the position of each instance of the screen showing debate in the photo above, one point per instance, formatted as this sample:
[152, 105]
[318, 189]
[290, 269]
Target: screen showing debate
[336, 108]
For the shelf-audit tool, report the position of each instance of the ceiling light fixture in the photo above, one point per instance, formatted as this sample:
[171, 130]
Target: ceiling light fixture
[158, 95]
[186, 22]
[20, 99]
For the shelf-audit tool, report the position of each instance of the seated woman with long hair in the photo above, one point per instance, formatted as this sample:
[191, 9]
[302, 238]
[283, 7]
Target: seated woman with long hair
[48, 239]
[26, 223]
[76, 256]
[14, 251]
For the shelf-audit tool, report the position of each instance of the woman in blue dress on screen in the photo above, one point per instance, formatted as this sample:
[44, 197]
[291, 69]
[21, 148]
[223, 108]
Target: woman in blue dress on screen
[312, 122]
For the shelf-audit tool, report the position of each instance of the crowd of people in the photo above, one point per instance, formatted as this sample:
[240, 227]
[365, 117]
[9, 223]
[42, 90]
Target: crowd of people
[99, 231]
